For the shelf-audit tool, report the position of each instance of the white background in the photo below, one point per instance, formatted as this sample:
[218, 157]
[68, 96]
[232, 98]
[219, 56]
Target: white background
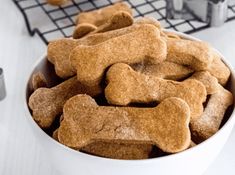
[19, 152]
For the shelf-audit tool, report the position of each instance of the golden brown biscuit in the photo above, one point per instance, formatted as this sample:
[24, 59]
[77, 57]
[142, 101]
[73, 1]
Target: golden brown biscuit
[165, 70]
[219, 70]
[85, 122]
[119, 20]
[100, 16]
[210, 82]
[119, 150]
[128, 86]
[57, 2]
[196, 54]
[83, 29]
[38, 80]
[91, 61]
[58, 51]
[115, 150]
[208, 124]
[47, 103]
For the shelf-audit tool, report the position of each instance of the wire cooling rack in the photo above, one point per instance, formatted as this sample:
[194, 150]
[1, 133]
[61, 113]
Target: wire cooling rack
[51, 22]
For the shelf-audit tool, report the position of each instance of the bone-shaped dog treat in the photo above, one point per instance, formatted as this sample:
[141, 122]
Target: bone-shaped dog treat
[128, 86]
[166, 70]
[219, 70]
[119, 151]
[117, 21]
[165, 126]
[59, 50]
[210, 82]
[47, 103]
[100, 16]
[115, 150]
[196, 54]
[171, 35]
[149, 20]
[57, 2]
[38, 80]
[83, 29]
[208, 124]
[91, 61]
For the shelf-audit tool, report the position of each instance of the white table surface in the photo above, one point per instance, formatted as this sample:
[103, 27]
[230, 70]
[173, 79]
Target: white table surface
[19, 153]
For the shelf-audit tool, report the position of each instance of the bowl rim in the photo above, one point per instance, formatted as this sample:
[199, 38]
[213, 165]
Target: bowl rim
[29, 117]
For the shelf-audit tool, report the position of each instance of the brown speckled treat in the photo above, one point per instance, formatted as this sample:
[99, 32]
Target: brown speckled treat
[83, 29]
[210, 82]
[166, 70]
[119, 20]
[115, 150]
[85, 122]
[149, 20]
[91, 61]
[219, 70]
[47, 103]
[57, 2]
[38, 80]
[196, 54]
[128, 86]
[100, 16]
[119, 150]
[208, 124]
[59, 50]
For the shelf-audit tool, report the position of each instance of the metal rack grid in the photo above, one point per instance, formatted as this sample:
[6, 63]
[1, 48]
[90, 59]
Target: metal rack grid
[51, 22]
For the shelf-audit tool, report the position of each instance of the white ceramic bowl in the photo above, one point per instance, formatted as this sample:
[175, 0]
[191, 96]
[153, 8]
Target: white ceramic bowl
[66, 161]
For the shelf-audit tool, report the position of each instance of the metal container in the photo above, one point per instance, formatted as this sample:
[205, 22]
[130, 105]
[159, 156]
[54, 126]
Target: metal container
[213, 12]
[2, 85]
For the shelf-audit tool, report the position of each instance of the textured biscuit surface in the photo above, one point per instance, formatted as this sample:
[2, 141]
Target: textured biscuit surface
[57, 2]
[47, 103]
[196, 54]
[128, 86]
[58, 51]
[219, 70]
[100, 16]
[38, 80]
[165, 126]
[208, 124]
[165, 70]
[210, 82]
[83, 29]
[116, 150]
[91, 61]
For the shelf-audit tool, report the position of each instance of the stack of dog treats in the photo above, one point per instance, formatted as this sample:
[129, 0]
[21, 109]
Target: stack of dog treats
[130, 89]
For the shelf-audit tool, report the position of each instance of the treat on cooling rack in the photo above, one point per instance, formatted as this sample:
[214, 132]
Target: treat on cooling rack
[38, 80]
[91, 61]
[210, 82]
[83, 29]
[208, 124]
[196, 54]
[47, 103]
[116, 150]
[124, 86]
[57, 2]
[165, 70]
[100, 16]
[171, 35]
[148, 20]
[119, 20]
[85, 122]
